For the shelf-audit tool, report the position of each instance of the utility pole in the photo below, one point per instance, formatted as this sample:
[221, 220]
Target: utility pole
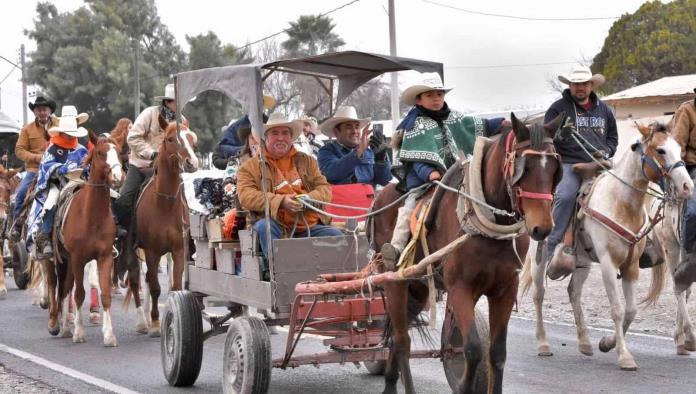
[394, 77]
[24, 84]
[136, 101]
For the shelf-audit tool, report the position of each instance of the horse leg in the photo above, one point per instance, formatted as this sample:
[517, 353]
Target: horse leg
[65, 286]
[3, 289]
[463, 310]
[105, 266]
[538, 271]
[78, 273]
[397, 298]
[626, 361]
[176, 274]
[690, 339]
[577, 281]
[51, 288]
[93, 278]
[499, 310]
[683, 322]
[152, 260]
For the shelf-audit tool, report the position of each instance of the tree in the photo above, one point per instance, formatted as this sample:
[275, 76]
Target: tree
[372, 99]
[85, 57]
[211, 110]
[656, 41]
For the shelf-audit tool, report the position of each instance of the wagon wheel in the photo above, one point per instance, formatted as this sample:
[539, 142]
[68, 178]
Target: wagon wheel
[19, 265]
[454, 364]
[246, 366]
[182, 339]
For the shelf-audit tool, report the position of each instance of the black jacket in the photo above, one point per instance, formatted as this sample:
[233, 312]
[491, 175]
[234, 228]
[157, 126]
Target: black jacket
[597, 125]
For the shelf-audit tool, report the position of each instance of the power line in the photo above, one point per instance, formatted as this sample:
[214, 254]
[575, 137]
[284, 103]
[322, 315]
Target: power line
[285, 30]
[9, 61]
[518, 17]
[8, 75]
[511, 65]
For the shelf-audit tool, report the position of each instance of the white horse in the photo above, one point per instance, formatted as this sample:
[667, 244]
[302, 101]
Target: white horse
[655, 157]
[666, 238]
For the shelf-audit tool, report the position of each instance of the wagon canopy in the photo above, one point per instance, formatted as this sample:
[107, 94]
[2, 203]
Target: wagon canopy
[243, 83]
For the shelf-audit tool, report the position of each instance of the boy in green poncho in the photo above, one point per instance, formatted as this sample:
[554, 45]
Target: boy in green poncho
[432, 136]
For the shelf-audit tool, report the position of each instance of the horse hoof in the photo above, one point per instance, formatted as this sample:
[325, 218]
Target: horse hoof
[628, 365]
[53, 330]
[43, 304]
[682, 351]
[94, 317]
[604, 346]
[110, 342]
[79, 339]
[154, 333]
[141, 328]
[544, 351]
[690, 346]
[3, 293]
[586, 349]
[66, 333]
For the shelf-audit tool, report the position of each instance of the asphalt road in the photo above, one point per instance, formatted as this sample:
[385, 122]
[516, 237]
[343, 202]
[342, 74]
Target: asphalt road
[26, 348]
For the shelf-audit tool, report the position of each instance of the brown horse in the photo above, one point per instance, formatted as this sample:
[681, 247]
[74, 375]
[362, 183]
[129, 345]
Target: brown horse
[162, 222]
[480, 265]
[88, 232]
[8, 184]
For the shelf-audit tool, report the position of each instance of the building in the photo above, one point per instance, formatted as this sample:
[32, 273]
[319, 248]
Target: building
[656, 98]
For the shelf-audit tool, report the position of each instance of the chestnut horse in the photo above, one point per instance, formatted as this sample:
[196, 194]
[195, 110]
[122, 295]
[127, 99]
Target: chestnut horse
[480, 265]
[162, 222]
[8, 184]
[88, 231]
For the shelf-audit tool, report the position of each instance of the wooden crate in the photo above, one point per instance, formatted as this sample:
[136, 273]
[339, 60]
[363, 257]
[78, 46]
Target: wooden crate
[214, 230]
[205, 258]
[225, 254]
[198, 225]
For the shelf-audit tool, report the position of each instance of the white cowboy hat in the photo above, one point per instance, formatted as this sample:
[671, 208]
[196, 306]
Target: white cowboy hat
[344, 113]
[68, 125]
[312, 122]
[278, 120]
[430, 81]
[580, 74]
[168, 93]
[71, 111]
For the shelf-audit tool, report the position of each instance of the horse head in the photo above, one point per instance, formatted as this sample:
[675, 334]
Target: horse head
[178, 147]
[661, 161]
[100, 170]
[113, 160]
[8, 184]
[532, 172]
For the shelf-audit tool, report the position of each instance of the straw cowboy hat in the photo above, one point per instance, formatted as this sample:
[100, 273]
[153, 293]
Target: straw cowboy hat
[42, 102]
[430, 81]
[345, 113]
[580, 74]
[279, 120]
[312, 122]
[69, 121]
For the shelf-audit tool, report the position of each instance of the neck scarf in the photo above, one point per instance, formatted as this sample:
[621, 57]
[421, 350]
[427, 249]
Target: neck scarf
[418, 110]
[64, 141]
[167, 113]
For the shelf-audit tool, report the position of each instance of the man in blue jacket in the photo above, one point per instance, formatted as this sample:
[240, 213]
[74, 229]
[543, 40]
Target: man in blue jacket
[355, 156]
[594, 121]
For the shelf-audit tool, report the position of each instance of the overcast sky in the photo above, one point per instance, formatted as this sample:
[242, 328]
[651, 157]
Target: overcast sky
[478, 51]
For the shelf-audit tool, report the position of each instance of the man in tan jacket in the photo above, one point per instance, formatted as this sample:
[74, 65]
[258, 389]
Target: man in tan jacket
[289, 174]
[684, 131]
[30, 148]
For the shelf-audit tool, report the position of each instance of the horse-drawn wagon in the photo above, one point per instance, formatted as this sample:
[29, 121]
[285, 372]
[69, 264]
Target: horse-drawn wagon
[353, 324]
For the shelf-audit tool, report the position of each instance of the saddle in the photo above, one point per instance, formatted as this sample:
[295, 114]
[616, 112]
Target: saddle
[65, 199]
[588, 171]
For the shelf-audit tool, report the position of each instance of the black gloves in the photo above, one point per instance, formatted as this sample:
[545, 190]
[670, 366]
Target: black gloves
[566, 129]
[378, 144]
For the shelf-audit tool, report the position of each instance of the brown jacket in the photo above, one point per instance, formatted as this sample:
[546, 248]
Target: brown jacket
[684, 130]
[32, 142]
[249, 189]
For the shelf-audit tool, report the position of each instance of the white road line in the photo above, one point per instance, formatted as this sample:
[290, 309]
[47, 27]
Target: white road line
[607, 330]
[66, 371]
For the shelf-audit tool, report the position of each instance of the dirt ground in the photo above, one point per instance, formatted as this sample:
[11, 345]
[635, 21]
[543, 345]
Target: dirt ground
[657, 319]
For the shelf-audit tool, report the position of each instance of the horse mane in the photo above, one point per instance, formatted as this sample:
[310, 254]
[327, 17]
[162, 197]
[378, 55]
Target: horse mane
[535, 133]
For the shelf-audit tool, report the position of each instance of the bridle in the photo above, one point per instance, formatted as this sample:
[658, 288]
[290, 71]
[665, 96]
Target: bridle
[513, 170]
[663, 173]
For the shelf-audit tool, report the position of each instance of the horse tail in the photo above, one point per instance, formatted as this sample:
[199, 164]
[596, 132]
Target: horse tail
[129, 294]
[417, 298]
[526, 275]
[657, 283]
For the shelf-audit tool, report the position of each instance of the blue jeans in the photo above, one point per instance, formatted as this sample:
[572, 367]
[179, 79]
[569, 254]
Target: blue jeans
[22, 190]
[563, 206]
[319, 230]
[47, 224]
[689, 236]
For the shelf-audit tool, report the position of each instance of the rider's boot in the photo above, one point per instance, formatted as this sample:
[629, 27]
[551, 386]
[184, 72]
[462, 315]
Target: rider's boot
[402, 231]
[16, 232]
[685, 274]
[561, 263]
[44, 250]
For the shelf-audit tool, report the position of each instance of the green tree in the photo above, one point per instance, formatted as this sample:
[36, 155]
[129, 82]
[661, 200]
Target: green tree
[658, 40]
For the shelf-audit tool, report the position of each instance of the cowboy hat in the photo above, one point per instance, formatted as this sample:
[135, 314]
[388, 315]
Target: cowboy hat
[312, 122]
[168, 93]
[71, 111]
[430, 81]
[42, 102]
[580, 74]
[68, 123]
[279, 120]
[344, 113]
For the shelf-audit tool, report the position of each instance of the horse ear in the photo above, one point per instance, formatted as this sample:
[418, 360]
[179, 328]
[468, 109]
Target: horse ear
[519, 128]
[92, 137]
[552, 126]
[645, 130]
[162, 122]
